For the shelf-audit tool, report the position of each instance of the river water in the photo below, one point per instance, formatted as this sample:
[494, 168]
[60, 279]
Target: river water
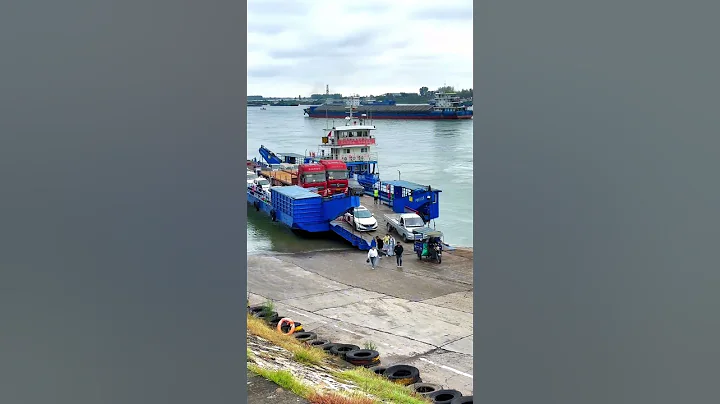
[435, 153]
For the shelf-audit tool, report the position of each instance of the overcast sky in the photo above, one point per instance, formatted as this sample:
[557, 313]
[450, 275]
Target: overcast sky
[295, 47]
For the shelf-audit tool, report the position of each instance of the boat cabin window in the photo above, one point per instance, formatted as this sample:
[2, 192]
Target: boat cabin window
[363, 150]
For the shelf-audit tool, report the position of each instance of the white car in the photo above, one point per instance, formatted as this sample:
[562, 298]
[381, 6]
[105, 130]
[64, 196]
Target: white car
[361, 219]
[262, 183]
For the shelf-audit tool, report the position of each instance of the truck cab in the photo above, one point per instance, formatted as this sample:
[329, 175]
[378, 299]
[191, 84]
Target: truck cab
[313, 176]
[337, 176]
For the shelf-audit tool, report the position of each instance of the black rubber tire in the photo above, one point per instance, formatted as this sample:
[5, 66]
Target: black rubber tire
[424, 389]
[444, 396]
[363, 357]
[269, 318]
[439, 258]
[341, 349]
[318, 343]
[305, 336]
[462, 400]
[379, 370]
[402, 374]
[255, 309]
[327, 347]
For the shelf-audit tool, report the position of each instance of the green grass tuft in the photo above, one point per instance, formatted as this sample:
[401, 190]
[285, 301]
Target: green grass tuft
[284, 379]
[385, 390]
[369, 345]
[309, 355]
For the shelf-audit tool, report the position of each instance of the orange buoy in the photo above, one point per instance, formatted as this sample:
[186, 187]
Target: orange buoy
[283, 321]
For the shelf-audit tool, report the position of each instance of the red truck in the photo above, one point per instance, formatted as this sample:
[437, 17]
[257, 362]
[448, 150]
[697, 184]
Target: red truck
[337, 176]
[313, 176]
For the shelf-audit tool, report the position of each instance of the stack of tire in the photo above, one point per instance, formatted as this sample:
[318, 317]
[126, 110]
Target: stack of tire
[352, 354]
[402, 374]
[438, 395]
[272, 318]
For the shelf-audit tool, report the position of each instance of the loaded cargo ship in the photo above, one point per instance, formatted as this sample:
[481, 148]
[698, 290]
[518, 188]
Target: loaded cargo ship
[312, 193]
[443, 106]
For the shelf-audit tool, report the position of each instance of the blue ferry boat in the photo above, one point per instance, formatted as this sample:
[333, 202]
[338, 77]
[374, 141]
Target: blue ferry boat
[443, 106]
[303, 209]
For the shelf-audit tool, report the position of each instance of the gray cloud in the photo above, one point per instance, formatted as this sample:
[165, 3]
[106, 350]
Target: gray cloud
[363, 43]
[339, 44]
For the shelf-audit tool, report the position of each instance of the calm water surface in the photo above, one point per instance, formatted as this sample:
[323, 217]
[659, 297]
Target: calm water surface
[436, 153]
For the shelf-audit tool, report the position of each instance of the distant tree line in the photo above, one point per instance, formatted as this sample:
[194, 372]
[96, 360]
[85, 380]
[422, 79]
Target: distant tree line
[421, 97]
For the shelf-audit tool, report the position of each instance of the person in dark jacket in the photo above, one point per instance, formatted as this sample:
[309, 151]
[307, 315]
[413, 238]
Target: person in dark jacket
[398, 250]
[379, 244]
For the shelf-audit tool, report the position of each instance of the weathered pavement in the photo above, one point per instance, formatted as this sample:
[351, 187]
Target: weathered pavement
[420, 315]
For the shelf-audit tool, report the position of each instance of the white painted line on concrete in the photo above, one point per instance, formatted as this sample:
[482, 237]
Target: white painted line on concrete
[305, 315]
[447, 368]
[353, 332]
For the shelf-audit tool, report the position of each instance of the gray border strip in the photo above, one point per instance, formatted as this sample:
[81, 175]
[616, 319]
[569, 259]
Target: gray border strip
[597, 202]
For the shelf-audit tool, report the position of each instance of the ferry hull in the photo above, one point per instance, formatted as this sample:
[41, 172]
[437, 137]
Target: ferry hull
[339, 115]
[389, 112]
[312, 215]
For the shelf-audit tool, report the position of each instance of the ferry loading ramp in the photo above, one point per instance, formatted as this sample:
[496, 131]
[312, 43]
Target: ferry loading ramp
[359, 239]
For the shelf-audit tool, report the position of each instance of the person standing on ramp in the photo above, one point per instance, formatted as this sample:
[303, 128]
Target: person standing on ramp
[398, 250]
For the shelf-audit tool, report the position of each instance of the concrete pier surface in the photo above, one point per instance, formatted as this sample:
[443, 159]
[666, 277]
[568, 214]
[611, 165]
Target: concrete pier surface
[419, 315]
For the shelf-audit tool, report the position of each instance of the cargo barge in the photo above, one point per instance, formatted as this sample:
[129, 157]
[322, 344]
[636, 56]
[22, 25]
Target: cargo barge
[443, 106]
[312, 193]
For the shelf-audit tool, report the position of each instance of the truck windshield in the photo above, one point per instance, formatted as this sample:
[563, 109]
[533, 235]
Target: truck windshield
[337, 175]
[413, 222]
[362, 214]
[312, 178]
[263, 182]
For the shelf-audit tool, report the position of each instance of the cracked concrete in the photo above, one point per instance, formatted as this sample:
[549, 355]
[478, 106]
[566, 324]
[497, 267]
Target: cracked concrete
[461, 301]
[419, 315]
